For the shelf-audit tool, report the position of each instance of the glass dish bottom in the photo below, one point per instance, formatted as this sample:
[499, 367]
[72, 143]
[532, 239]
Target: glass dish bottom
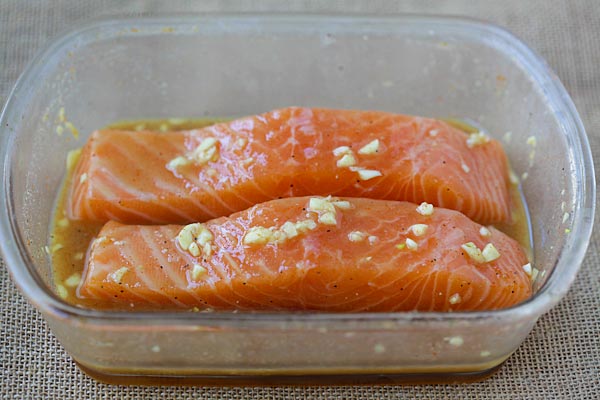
[163, 378]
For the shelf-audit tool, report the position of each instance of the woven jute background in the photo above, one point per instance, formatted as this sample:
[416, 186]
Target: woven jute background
[559, 360]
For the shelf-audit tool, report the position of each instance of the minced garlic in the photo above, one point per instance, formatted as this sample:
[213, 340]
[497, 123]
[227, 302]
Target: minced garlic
[490, 253]
[455, 341]
[485, 232]
[370, 148]
[418, 229]
[197, 270]
[347, 160]
[367, 174]
[63, 222]
[338, 151]
[372, 239]
[411, 244]
[72, 157]
[434, 132]
[62, 291]
[357, 236]
[206, 151]
[425, 209]
[73, 280]
[527, 269]
[532, 141]
[455, 299]
[289, 230]
[534, 274]
[324, 208]
[195, 238]
[465, 168]
[178, 162]
[473, 252]
[342, 204]
[83, 178]
[117, 276]
[477, 139]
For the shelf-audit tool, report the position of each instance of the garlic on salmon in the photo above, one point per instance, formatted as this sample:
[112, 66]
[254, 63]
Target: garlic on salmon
[289, 230]
[370, 148]
[195, 238]
[324, 208]
[425, 209]
[477, 139]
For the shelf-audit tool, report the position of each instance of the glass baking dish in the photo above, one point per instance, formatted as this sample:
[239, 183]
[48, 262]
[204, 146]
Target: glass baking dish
[231, 65]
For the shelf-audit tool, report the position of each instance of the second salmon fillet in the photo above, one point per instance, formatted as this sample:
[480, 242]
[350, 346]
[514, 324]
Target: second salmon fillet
[189, 176]
[313, 253]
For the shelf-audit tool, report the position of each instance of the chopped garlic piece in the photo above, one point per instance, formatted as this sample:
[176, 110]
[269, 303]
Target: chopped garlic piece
[476, 139]
[62, 291]
[195, 236]
[328, 218]
[455, 299]
[338, 151]
[527, 269]
[456, 341]
[400, 246]
[357, 236]
[465, 168]
[63, 222]
[197, 270]
[485, 232]
[567, 230]
[534, 274]
[73, 280]
[411, 244]
[78, 256]
[366, 174]
[342, 204]
[83, 178]
[193, 249]
[117, 276]
[425, 209]
[434, 132]
[178, 162]
[372, 239]
[347, 160]
[485, 353]
[565, 217]
[473, 251]
[513, 178]
[317, 204]
[258, 235]
[289, 228]
[418, 229]
[206, 151]
[532, 141]
[524, 176]
[370, 148]
[490, 253]
[46, 249]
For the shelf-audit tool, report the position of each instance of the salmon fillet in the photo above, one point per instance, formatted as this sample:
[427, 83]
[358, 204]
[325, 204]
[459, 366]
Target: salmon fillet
[189, 176]
[325, 254]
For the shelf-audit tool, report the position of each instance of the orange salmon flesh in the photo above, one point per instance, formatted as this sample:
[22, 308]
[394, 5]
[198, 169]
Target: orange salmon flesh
[189, 176]
[312, 253]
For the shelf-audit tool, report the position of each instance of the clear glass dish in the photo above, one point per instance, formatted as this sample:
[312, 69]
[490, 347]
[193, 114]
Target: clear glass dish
[227, 65]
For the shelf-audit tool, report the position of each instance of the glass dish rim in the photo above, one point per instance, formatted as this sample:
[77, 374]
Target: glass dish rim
[21, 267]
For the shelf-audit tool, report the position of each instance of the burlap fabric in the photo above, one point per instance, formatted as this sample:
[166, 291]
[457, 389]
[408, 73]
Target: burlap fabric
[560, 359]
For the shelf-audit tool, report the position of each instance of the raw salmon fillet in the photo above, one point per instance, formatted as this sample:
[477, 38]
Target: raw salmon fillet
[312, 253]
[189, 176]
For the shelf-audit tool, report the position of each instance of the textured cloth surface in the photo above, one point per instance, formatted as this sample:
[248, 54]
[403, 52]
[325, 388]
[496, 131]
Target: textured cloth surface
[559, 360]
